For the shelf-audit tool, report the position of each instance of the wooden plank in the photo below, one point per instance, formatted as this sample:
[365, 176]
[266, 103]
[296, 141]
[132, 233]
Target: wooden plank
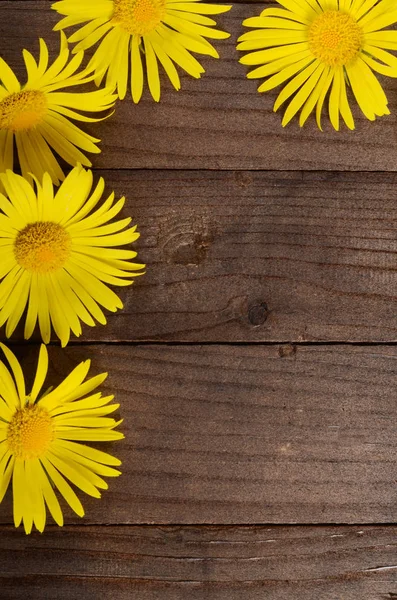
[201, 563]
[219, 122]
[259, 257]
[245, 434]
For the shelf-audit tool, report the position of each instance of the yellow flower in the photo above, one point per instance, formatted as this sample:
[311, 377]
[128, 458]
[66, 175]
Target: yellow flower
[37, 116]
[38, 436]
[324, 46]
[137, 31]
[57, 255]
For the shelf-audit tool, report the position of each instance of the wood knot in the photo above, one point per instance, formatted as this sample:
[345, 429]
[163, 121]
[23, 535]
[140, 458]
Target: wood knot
[187, 242]
[243, 179]
[287, 351]
[257, 314]
[190, 252]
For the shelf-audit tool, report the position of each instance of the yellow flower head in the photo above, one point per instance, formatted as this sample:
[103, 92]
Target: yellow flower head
[142, 31]
[39, 435]
[36, 116]
[58, 254]
[322, 46]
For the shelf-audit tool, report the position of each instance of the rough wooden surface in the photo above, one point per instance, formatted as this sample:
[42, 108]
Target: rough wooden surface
[245, 434]
[259, 257]
[247, 246]
[218, 122]
[201, 563]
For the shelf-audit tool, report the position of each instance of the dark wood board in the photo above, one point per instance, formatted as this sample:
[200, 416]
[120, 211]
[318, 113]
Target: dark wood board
[201, 563]
[262, 432]
[245, 434]
[260, 257]
[218, 122]
[253, 257]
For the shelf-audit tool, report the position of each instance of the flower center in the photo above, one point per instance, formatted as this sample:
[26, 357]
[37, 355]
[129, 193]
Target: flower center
[30, 432]
[22, 110]
[42, 247]
[138, 16]
[335, 38]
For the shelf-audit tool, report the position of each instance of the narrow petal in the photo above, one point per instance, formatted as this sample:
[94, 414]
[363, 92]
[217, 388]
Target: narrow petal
[41, 373]
[17, 372]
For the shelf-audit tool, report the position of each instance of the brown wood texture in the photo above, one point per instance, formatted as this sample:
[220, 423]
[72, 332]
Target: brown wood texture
[245, 434]
[259, 257]
[218, 122]
[201, 563]
[239, 452]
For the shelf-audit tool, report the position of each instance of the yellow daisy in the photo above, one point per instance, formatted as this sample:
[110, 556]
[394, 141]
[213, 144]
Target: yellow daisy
[39, 437]
[142, 31]
[36, 116]
[58, 254]
[323, 46]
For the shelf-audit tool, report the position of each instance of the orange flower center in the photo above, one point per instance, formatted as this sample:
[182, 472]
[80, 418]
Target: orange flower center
[23, 110]
[30, 433]
[42, 247]
[335, 38]
[138, 17]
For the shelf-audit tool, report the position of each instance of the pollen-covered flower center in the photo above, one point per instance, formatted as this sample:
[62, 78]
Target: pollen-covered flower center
[335, 38]
[138, 16]
[30, 432]
[23, 110]
[42, 247]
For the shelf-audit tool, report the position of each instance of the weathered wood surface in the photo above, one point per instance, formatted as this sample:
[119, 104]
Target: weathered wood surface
[218, 122]
[245, 434]
[254, 257]
[201, 563]
[235, 434]
[260, 257]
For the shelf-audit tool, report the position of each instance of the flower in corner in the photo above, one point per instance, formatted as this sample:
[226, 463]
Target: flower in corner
[322, 46]
[36, 116]
[142, 31]
[59, 252]
[40, 437]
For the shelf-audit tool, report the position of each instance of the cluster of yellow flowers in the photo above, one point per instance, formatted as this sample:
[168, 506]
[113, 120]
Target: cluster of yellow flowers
[60, 247]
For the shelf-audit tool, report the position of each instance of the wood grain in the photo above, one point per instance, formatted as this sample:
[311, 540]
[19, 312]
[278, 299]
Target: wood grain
[258, 257]
[280, 434]
[244, 434]
[219, 122]
[201, 563]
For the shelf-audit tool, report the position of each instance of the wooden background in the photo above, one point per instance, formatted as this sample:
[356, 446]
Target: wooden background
[256, 362]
